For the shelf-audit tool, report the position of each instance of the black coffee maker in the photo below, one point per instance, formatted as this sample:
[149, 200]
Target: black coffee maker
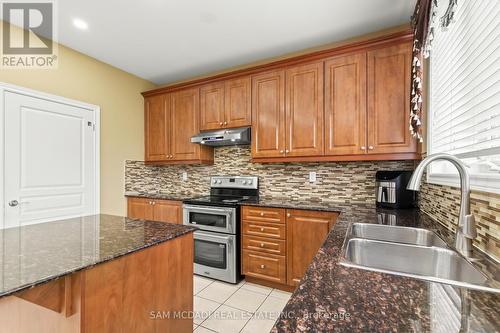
[390, 189]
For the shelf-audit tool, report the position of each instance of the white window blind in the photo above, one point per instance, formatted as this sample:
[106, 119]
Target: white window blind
[464, 94]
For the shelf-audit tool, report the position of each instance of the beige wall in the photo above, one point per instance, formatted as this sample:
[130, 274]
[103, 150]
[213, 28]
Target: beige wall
[117, 93]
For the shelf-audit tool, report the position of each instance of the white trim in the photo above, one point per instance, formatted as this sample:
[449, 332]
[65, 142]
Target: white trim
[483, 183]
[7, 87]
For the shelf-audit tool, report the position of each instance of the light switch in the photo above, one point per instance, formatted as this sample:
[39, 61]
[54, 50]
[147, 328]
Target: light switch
[184, 176]
[312, 177]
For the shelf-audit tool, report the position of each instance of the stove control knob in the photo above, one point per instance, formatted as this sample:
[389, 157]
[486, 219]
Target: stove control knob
[249, 182]
[219, 181]
[244, 182]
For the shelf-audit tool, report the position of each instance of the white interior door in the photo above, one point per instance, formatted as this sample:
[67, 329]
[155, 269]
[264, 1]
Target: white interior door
[50, 160]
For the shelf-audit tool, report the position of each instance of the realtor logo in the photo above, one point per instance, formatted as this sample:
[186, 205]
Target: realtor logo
[28, 34]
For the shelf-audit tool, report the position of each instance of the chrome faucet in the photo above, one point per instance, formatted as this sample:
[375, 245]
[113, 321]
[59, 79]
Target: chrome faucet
[466, 229]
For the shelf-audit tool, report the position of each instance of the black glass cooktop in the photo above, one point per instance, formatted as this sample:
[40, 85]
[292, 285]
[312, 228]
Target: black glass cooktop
[219, 200]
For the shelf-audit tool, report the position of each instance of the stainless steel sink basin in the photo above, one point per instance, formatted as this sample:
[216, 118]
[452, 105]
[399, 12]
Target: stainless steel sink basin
[422, 262]
[404, 235]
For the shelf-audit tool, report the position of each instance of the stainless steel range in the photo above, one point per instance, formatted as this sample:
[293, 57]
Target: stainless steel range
[217, 243]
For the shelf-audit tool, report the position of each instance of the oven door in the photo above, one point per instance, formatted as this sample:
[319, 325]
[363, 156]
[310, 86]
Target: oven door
[215, 256]
[218, 219]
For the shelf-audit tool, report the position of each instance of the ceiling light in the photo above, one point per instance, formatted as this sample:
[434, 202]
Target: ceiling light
[80, 24]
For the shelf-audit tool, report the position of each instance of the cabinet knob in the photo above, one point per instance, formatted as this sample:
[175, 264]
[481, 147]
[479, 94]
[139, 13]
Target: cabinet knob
[154, 203]
[281, 151]
[262, 229]
[363, 147]
[262, 266]
[221, 123]
[261, 213]
[287, 214]
[261, 244]
[287, 151]
[151, 202]
[225, 123]
[370, 147]
[171, 156]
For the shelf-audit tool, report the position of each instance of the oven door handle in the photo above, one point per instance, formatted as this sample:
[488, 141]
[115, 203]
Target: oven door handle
[209, 209]
[211, 237]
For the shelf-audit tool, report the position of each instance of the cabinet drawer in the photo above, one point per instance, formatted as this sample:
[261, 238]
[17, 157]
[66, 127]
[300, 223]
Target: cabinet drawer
[264, 266]
[261, 214]
[266, 245]
[270, 230]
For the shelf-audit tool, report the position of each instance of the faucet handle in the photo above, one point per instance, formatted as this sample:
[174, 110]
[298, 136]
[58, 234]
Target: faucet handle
[469, 227]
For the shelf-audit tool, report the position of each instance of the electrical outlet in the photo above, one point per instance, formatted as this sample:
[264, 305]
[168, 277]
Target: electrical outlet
[312, 177]
[184, 176]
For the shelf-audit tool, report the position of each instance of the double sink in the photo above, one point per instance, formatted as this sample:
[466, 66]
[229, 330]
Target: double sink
[412, 252]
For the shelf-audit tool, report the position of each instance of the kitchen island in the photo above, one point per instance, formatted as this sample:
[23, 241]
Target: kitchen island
[98, 273]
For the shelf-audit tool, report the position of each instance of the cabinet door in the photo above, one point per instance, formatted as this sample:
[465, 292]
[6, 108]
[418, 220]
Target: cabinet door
[140, 208]
[167, 211]
[306, 232]
[185, 115]
[212, 106]
[345, 105]
[304, 110]
[389, 100]
[268, 115]
[157, 140]
[238, 95]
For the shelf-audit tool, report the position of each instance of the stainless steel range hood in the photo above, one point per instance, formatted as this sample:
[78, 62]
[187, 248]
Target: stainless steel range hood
[226, 137]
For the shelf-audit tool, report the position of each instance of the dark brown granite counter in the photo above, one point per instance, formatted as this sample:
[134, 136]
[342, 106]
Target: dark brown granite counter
[161, 196]
[335, 298]
[31, 255]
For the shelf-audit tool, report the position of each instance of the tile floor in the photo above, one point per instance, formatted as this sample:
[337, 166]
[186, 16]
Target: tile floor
[227, 308]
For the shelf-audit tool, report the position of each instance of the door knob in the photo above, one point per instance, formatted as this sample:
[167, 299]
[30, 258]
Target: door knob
[13, 203]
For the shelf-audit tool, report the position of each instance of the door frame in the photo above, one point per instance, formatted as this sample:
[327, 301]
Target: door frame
[7, 87]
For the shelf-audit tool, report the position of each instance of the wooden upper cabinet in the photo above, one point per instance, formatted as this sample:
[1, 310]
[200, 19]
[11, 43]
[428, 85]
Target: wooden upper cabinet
[268, 114]
[238, 102]
[305, 233]
[156, 122]
[304, 110]
[389, 75]
[212, 106]
[345, 105]
[185, 111]
[226, 104]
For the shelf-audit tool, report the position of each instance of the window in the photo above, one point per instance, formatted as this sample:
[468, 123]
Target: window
[464, 96]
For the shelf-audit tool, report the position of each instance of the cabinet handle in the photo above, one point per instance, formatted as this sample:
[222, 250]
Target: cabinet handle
[262, 266]
[261, 244]
[370, 147]
[363, 147]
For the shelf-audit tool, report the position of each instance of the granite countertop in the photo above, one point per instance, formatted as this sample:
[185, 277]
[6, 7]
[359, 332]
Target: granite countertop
[34, 254]
[335, 298]
[163, 196]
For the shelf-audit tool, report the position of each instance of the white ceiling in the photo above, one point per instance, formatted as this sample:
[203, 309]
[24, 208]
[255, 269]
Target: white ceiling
[164, 40]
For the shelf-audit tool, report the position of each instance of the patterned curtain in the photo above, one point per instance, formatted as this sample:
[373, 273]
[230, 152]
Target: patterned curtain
[422, 21]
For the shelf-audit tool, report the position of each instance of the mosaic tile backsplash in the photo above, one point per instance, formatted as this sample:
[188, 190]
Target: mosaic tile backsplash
[442, 203]
[336, 182]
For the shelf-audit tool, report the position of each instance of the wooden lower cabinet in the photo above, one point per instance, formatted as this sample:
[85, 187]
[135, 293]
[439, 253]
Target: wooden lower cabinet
[155, 210]
[305, 233]
[279, 244]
